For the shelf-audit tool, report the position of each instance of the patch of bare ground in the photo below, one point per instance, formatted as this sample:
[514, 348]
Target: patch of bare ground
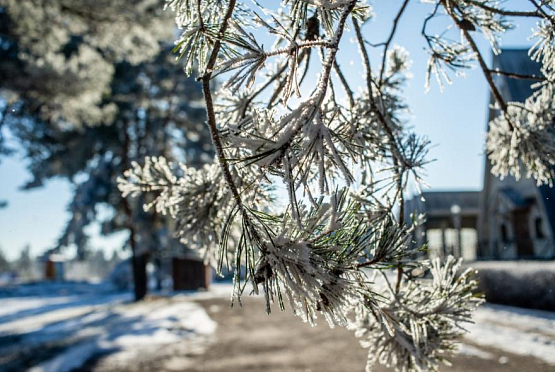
[249, 340]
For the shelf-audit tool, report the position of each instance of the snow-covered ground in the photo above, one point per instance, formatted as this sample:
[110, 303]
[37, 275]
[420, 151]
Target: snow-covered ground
[515, 330]
[515, 267]
[60, 328]
[127, 332]
[76, 327]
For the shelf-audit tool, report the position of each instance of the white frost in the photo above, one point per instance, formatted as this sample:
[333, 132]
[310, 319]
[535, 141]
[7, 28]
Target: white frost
[515, 330]
[92, 324]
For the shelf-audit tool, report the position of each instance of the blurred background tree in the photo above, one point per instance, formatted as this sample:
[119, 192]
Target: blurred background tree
[87, 88]
[4, 263]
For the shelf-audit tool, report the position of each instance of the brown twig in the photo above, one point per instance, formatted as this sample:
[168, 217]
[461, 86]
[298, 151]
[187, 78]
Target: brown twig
[513, 75]
[373, 261]
[485, 69]
[345, 84]
[211, 115]
[510, 13]
[399, 278]
[390, 38]
[398, 159]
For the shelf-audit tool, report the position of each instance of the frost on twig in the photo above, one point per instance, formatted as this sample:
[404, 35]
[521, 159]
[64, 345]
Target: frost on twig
[314, 265]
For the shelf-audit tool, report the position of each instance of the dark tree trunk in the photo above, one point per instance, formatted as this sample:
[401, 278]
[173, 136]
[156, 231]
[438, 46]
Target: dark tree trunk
[158, 267]
[140, 277]
[138, 261]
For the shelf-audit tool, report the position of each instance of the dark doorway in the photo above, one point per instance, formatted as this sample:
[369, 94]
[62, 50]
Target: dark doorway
[190, 274]
[524, 245]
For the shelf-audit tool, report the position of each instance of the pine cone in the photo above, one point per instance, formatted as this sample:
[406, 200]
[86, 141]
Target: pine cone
[312, 28]
[465, 24]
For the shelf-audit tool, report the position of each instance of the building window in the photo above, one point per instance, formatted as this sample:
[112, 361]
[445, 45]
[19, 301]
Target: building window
[504, 234]
[538, 224]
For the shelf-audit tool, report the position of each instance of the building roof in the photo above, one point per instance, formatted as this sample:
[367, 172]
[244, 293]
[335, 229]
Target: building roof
[444, 200]
[513, 197]
[440, 203]
[438, 207]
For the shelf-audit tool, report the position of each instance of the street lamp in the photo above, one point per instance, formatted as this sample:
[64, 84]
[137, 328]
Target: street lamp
[456, 212]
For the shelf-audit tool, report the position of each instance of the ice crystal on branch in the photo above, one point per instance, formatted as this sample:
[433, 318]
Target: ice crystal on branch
[195, 198]
[544, 48]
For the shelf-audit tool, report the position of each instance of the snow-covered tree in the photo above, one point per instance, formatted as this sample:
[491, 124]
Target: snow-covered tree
[86, 88]
[24, 264]
[344, 157]
[58, 55]
[5, 265]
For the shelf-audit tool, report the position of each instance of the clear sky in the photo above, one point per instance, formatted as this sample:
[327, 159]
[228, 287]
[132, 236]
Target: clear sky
[454, 121]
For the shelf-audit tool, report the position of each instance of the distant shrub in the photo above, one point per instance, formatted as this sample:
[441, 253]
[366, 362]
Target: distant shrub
[523, 285]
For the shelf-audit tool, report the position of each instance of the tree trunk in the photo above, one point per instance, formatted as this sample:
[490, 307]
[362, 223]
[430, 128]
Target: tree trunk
[140, 277]
[138, 261]
[159, 274]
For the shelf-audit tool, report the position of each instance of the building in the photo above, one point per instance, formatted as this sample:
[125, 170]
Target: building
[451, 222]
[517, 218]
[190, 272]
[53, 267]
[511, 219]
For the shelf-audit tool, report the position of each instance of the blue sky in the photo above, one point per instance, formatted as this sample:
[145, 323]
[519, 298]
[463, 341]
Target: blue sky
[454, 121]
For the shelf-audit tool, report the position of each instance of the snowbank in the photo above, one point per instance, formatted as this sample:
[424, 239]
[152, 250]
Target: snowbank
[138, 329]
[80, 327]
[517, 267]
[514, 330]
[53, 289]
[473, 351]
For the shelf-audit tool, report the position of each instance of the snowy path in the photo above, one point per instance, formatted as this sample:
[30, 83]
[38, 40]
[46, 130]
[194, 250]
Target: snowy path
[23, 315]
[59, 333]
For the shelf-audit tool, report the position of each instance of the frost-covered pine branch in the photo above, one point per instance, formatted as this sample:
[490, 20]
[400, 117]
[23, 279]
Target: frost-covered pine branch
[342, 155]
[414, 328]
[195, 198]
